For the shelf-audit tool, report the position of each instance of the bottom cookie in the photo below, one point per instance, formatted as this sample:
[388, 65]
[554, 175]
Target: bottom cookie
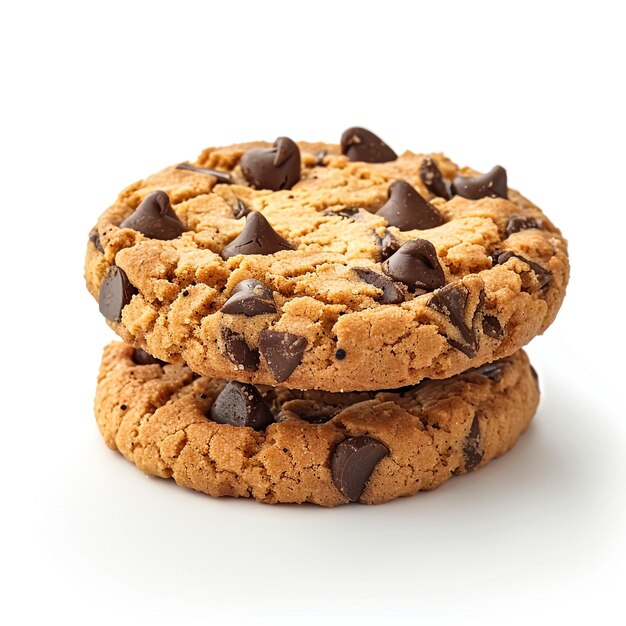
[280, 445]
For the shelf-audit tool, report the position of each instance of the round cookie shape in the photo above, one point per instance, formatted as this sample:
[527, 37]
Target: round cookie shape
[279, 445]
[337, 265]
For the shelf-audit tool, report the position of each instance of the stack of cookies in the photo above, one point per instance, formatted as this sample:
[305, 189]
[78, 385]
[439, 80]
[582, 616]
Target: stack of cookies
[309, 322]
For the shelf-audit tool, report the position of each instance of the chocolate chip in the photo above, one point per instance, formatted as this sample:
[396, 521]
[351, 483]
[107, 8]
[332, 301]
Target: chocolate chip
[433, 180]
[241, 209]
[237, 351]
[517, 223]
[320, 156]
[155, 218]
[94, 237]
[489, 185]
[340, 355]
[390, 292]
[543, 276]
[250, 297]
[257, 237]
[360, 144]
[116, 291]
[282, 352]
[320, 418]
[407, 210]
[350, 212]
[272, 168]
[141, 357]
[492, 371]
[452, 301]
[353, 462]
[492, 327]
[416, 265]
[472, 448]
[239, 404]
[223, 178]
[389, 245]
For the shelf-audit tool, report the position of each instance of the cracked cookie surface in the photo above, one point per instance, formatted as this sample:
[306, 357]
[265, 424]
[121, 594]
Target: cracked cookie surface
[310, 446]
[341, 305]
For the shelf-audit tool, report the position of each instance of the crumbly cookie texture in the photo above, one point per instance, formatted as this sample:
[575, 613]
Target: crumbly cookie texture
[309, 446]
[346, 306]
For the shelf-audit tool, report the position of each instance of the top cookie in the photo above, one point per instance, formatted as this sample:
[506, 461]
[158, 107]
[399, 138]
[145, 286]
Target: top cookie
[318, 266]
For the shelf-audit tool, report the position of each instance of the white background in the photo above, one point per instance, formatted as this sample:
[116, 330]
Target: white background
[97, 95]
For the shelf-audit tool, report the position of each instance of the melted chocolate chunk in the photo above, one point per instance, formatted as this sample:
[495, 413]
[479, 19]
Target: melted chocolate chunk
[116, 291]
[407, 210]
[492, 371]
[416, 265]
[273, 168]
[452, 301]
[257, 237]
[223, 178]
[388, 245]
[353, 462]
[348, 212]
[141, 357]
[360, 144]
[155, 218]
[543, 276]
[490, 185]
[237, 351]
[250, 297]
[517, 223]
[239, 404]
[492, 327]
[241, 209]
[472, 448]
[390, 292]
[94, 237]
[282, 352]
[433, 180]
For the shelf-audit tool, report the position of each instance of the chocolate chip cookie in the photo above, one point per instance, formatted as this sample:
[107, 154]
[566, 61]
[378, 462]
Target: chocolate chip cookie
[280, 445]
[318, 266]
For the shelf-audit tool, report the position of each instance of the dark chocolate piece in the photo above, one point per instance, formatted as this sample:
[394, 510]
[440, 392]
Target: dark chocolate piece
[490, 185]
[223, 178]
[237, 351]
[472, 448]
[353, 462]
[416, 265]
[360, 144]
[141, 357]
[433, 180]
[517, 223]
[257, 237]
[407, 210]
[282, 352]
[239, 404]
[250, 297]
[241, 209]
[543, 276]
[116, 291]
[451, 301]
[273, 168]
[390, 292]
[155, 218]
[94, 237]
